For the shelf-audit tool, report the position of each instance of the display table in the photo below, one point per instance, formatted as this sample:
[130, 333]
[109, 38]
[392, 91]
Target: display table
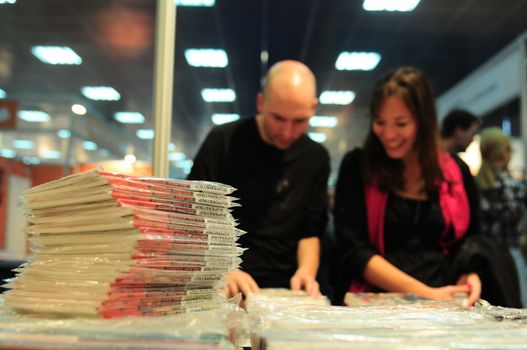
[201, 330]
[414, 324]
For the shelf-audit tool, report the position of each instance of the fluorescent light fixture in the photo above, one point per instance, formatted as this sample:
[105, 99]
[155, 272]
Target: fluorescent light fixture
[129, 117]
[390, 5]
[337, 97]
[56, 55]
[357, 60]
[3, 94]
[317, 136]
[264, 56]
[506, 126]
[78, 109]
[321, 121]
[23, 144]
[7, 153]
[33, 116]
[2, 2]
[195, 3]
[63, 134]
[186, 163]
[177, 156]
[218, 95]
[130, 158]
[171, 147]
[145, 134]
[31, 160]
[212, 58]
[101, 93]
[89, 145]
[219, 118]
[51, 154]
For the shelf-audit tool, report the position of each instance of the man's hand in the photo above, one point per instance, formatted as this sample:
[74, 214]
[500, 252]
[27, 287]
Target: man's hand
[305, 281]
[240, 281]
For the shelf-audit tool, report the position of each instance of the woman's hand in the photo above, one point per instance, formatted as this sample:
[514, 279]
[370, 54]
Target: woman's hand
[473, 282]
[446, 292]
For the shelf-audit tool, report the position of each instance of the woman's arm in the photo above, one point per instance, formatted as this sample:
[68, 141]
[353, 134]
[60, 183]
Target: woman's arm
[383, 274]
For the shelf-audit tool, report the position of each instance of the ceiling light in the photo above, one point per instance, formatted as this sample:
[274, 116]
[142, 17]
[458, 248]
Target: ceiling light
[23, 144]
[31, 160]
[337, 97]
[33, 116]
[89, 145]
[390, 5]
[264, 56]
[186, 163]
[206, 58]
[320, 121]
[218, 95]
[7, 153]
[177, 156]
[130, 158]
[357, 60]
[219, 118]
[78, 109]
[317, 136]
[145, 134]
[56, 55]
[3, 94]
[129, 117]
[63, 134]
[101, 93]
[2, 2]
[51, 154]
[195, 3]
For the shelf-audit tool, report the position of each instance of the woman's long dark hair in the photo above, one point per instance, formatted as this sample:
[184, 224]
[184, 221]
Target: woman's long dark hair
[414, 88]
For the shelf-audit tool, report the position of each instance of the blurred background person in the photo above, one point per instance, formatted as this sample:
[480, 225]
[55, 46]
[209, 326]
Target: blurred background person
[458, 130]
[502, 199]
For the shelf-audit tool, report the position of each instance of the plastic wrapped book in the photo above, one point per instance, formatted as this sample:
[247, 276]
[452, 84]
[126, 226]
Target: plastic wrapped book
[276, 324]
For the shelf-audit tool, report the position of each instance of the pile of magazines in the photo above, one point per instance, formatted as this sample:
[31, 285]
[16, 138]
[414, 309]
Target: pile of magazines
[111, 245]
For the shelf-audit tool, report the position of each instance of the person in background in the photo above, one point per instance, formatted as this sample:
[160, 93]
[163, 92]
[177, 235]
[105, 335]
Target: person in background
[402, 208]
[281, 179]
[458, 130]
[502, 199]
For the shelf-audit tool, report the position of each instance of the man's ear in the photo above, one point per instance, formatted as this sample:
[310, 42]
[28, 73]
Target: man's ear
[259, 102]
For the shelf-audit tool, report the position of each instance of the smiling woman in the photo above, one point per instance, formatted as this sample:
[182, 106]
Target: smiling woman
[405, 212]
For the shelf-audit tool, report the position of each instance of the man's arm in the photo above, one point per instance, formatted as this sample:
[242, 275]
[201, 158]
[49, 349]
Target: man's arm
[308, 255]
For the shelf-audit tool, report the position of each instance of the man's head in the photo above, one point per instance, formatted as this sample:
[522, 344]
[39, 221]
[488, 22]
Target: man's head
[458, 129]
[287, 102]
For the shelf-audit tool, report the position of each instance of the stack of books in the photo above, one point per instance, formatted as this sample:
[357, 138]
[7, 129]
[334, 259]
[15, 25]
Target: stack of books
[112, 245]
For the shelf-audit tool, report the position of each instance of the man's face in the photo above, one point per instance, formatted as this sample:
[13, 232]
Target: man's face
[463, 138]
[284, 120]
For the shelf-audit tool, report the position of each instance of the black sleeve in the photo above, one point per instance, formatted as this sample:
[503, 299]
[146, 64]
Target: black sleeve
[472, 191]
[208, 161]
[316, 210]
[352, 240]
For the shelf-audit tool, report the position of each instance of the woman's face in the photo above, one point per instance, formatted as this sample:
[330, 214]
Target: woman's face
[396, 128]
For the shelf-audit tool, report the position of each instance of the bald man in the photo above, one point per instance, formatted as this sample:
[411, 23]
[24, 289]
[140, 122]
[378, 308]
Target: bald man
[281, 177]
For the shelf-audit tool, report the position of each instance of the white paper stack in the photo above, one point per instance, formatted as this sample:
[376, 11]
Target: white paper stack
[112, 245]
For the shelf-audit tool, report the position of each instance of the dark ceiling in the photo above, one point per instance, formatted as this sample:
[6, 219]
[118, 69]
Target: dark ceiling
[446, 38]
